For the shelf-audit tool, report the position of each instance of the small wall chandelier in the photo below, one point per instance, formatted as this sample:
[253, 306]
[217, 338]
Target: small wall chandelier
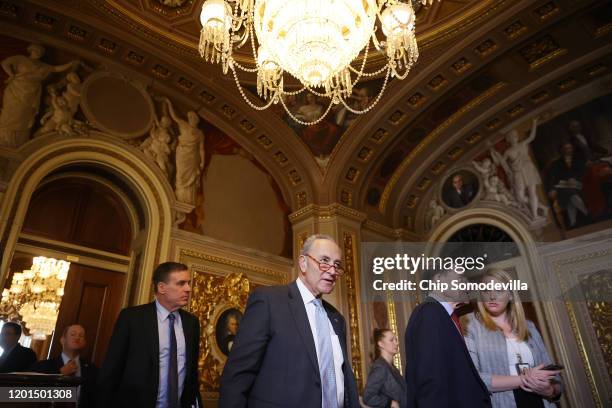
[35, 296]
[315, 41]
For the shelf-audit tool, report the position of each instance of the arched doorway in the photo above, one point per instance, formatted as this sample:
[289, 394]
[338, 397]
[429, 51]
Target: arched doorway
[132, 190]
[86, 218]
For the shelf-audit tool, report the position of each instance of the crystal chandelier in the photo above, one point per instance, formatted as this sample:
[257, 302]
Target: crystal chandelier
[35, 295]
[315, 41]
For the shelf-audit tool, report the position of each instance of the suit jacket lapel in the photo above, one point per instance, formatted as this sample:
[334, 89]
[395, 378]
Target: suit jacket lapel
[298, 310]
[150, 325]
[463, 346]
[188, 333]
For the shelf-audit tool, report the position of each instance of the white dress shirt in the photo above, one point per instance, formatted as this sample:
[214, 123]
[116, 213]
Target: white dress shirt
[308, 297]
[164, 353]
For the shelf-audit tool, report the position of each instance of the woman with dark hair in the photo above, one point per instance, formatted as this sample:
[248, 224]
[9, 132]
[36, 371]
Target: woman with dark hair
[509, 352]
[385, 387]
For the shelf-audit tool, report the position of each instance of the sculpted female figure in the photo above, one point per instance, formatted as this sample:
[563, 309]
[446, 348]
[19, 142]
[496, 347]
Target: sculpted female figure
[189, 156]
[21, 98]
[523, 174]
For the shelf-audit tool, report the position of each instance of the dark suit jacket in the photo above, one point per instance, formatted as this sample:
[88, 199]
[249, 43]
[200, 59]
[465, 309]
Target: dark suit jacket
[385, 384]
[273, 362]
[129, 376]
[19, 359]
[439, 370]
[89, 375]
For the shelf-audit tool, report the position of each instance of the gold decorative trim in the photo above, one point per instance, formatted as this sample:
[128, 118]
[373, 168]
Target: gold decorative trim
[601, 31]
[385, 230]
[574, 320]
[326, 212]
[430, 138]
[353, 317]
[235, 264]
[397, 359]
[546, 59]
[211, 296]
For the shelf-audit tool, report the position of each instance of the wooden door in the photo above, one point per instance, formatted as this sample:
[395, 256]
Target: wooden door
[92, 298]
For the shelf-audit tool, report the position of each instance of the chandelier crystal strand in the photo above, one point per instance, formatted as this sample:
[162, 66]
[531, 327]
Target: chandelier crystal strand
[375, 101]
[301, 122]
[35, 296]
[313, 40]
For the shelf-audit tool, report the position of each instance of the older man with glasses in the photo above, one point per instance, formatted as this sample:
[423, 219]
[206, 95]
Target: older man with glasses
[290, 350]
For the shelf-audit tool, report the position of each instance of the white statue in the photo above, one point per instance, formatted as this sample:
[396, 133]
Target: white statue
[189, 156]
[21, 99]
[435, 212]
[72, 94]
[495, 190]
[486, 167]
[523, 174]
[157, 145]
[57, 118]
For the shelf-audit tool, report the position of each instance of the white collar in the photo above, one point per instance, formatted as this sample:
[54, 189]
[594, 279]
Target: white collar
[447, 306]
[307, 295]
[161, 310]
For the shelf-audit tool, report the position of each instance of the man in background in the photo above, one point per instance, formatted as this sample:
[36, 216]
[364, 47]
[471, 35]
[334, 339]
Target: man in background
[439, 370]
[70, 362]
[152, 358]
[15, 357]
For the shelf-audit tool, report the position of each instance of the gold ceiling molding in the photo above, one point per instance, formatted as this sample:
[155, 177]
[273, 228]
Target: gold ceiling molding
[430, 138]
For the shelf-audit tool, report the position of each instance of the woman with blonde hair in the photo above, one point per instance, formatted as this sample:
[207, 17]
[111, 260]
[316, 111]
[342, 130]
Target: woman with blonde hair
[508, 351]
[385, 387]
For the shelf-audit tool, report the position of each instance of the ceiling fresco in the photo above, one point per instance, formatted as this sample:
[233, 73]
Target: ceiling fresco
[483, 66]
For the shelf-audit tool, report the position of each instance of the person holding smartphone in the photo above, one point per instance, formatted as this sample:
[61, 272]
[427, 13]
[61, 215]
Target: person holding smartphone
[508, 351]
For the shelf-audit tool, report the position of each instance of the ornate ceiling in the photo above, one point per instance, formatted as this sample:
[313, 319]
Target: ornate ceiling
[483, 66]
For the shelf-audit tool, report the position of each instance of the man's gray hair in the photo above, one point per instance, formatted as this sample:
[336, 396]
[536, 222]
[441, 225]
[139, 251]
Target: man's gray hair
[311, 239]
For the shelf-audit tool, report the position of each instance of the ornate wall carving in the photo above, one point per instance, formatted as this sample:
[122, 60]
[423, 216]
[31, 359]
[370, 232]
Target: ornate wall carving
[351, 277]
[212, 295]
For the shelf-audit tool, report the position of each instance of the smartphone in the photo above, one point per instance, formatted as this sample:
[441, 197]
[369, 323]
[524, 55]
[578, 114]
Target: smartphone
[553, 367]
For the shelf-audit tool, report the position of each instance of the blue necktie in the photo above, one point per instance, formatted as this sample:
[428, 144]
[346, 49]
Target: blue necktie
[173, 399]
[326, 357]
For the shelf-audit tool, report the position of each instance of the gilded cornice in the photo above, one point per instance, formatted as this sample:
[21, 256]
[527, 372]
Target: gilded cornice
[326, 212]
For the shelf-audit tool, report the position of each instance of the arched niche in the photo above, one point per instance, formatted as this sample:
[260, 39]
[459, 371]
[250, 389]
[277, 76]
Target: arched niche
[150, 194]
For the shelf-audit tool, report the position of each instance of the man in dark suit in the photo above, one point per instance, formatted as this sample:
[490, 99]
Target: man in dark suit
[69, 362]
[460, 194]
[439, 369]
[290, 350]
[15, 357]
[152, 358]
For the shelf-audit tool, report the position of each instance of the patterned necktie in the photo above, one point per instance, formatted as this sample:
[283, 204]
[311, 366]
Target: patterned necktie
[173, 399]
[326, 357]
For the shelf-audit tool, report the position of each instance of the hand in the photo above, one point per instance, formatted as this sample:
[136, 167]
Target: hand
[539, 381]
[395, 404]
[69, 369]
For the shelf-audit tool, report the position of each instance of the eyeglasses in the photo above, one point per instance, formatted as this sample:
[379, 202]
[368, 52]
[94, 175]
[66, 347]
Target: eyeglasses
[324, 267]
